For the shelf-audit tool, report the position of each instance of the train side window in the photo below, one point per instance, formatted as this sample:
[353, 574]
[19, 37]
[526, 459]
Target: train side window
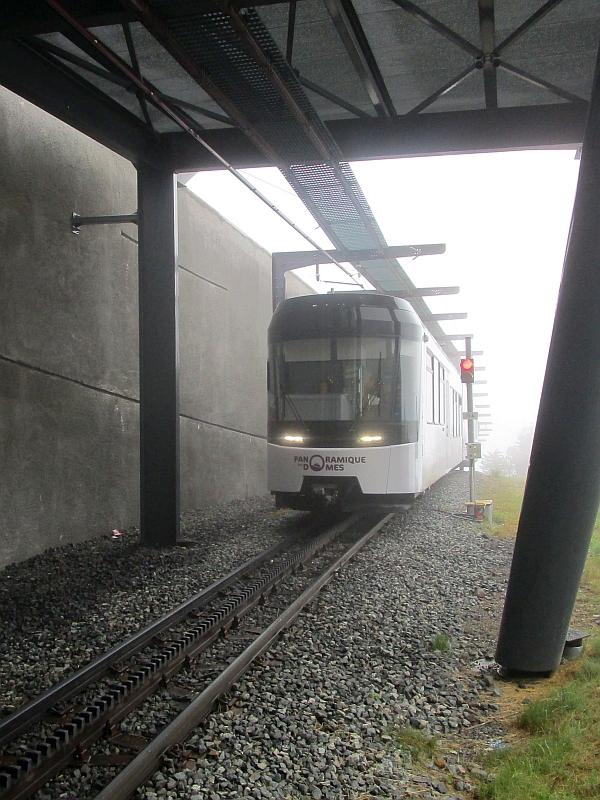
[430, 361]
[408, 389]
[441, 395]
[456, 414]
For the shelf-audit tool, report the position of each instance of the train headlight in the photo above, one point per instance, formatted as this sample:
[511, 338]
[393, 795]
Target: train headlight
[369, 438]
[294, 439]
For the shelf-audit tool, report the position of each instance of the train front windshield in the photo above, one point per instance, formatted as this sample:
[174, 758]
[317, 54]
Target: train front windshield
[346, 379]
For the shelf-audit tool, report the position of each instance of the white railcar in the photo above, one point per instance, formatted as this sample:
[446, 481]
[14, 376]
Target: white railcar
[365, 409]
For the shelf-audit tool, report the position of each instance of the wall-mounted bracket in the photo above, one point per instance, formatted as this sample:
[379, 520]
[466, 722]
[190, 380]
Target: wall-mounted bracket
[114, 219]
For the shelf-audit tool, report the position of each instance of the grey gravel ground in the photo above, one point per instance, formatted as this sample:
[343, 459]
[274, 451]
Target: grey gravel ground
[69, 604]
[324, 714]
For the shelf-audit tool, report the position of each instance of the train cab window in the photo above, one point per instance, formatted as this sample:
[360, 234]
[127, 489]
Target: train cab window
[346, 378]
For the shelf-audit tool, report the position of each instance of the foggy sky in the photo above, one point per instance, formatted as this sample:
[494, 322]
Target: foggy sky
[505, 220]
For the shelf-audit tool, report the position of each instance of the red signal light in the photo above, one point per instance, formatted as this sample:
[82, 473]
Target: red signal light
[467, 370]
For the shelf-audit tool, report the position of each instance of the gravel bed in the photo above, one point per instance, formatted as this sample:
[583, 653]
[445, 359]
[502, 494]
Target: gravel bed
[325, 713]
[64, 607]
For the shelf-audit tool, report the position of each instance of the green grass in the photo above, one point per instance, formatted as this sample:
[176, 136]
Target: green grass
[410, 741]
[507, 496]
[441, 642]
[557, 757]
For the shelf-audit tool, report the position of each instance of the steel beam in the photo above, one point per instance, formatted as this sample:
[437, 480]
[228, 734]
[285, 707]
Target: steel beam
[446, 317]
[447, 87]
[519, 128]
[159, 357]
[333, 98]
[438, 27]
[529, 22]
[427, 291]
[307, 258]
[290, 32]
[487, 30]
[540, 82]
[563, 484]
[350, 31]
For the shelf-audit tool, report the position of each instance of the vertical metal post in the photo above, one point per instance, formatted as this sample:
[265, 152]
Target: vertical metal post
[563, 483]
[278, 270]
[159, 357]
[470, 427]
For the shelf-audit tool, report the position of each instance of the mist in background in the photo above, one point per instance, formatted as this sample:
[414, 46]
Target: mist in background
[504, 218]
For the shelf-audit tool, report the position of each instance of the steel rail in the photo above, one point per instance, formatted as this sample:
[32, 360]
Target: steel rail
[72, 740]
[20, 720]
[149, 759]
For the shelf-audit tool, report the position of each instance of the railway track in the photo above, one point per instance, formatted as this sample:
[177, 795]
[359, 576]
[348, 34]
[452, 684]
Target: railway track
[90, 706]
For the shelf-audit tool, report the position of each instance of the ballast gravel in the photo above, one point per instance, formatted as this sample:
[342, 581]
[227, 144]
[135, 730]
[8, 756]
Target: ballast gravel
[391, 647]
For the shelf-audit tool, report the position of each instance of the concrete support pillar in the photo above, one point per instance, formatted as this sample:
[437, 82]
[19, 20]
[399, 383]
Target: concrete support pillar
[563, 483]
[159, 357]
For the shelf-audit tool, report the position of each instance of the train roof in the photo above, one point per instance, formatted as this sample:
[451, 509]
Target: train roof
[347, 298]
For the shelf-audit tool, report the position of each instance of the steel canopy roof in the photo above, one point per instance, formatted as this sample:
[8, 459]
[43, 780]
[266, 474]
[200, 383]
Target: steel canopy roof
[308, 85]
[384, 77]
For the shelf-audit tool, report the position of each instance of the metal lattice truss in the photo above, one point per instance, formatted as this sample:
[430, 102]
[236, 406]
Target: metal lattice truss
[307, 84]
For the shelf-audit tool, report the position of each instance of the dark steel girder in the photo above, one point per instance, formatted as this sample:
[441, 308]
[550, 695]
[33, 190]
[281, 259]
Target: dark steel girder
[157, 27]
[56, 89]
[527, 76]
[289, 50]
[530, 127]
[487, 30]
[40, 45]
[487, 58]
[350, 30]
[338, 101]
[447, 87]
[438, 27]
[529, 22]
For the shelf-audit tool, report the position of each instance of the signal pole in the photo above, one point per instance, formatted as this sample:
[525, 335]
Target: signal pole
[470, 429]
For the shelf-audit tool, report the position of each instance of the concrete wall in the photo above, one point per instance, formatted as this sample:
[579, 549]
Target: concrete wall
[225, 309]
[69, 348]
[295, 286]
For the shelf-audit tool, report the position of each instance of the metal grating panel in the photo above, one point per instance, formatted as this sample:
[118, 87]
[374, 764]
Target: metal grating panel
[212, 42]
[274, 103]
